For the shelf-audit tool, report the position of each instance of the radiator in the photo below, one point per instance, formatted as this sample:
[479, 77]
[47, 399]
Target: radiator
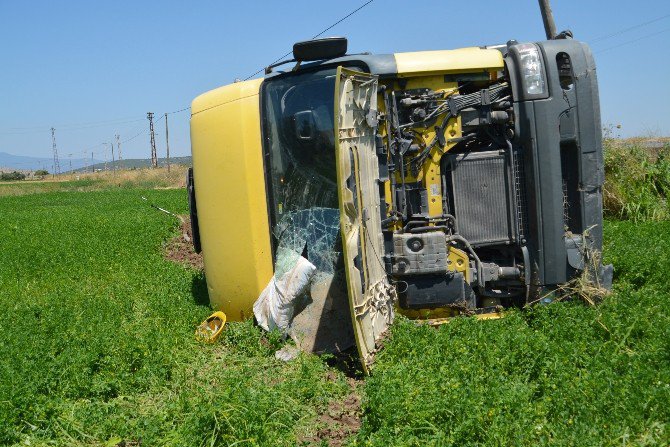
[482, 193]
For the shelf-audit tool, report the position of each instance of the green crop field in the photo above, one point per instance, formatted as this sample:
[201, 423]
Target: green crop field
[96, 336]
[97, 348]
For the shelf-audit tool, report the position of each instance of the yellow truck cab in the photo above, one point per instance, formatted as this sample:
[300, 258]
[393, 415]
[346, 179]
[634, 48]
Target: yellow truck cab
[430, 183]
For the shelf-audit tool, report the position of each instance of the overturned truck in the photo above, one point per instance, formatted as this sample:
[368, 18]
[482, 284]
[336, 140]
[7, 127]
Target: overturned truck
[429, 184]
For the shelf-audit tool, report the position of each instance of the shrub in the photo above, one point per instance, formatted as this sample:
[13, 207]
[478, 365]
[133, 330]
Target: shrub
[637, 181]
[9, 176]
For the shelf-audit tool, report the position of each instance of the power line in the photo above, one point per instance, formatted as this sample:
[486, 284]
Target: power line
[92, 147]
[109, 124]
[222, 103]
[314, 37]
[317, 35]
[68, 127]
[135, 136]
[343, 18]
[631, 28]
[633, 41]
[94, 124]
[178, 111]
[118, 121]
[142, 132]
[77, 126]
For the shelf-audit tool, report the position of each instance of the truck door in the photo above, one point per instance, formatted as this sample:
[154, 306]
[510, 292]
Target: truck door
[371, 296]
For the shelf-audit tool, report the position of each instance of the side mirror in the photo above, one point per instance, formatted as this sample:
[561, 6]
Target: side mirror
[319, 49]
[304, 125]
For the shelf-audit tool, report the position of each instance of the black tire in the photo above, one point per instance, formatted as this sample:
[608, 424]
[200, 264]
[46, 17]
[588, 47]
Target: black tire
[193, 210]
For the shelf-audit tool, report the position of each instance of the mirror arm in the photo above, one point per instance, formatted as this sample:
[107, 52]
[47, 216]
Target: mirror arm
[269, 68]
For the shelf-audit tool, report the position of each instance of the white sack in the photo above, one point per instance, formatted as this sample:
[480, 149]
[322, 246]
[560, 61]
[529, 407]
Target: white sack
[275, 306]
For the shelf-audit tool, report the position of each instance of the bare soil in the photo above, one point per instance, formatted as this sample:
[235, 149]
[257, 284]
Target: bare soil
[129, 444]
[340, 420]
[179, 249]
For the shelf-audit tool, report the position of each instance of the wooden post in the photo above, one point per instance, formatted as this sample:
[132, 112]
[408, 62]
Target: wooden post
[547, 19]
[167, 143]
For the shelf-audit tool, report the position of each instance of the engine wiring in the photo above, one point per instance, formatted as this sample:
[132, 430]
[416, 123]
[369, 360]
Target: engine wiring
[435, 111]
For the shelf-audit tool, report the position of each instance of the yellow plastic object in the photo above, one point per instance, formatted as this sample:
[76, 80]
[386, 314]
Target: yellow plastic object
[445, 320]
[210, 329]
[453, 61]
[230, 193]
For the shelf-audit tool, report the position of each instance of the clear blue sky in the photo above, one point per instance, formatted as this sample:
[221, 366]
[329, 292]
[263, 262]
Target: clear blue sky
[77, 65]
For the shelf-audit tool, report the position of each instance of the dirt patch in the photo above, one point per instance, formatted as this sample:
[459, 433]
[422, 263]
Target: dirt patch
[179, 249]
[128, 444]
[340, 420]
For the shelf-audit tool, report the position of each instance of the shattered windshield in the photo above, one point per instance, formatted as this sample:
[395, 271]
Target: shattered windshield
[299, 146]
[300, 155]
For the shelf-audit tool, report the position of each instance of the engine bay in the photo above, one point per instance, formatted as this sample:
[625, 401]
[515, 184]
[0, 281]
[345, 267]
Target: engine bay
[452, 194]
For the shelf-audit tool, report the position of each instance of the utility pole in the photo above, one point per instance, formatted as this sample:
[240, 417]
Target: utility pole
[92, 163]
[53, 145]
[111, 146]
[105, 151]
[154, 159]
[548, 19]
[69, 156]
[167, 143]
[118, 147]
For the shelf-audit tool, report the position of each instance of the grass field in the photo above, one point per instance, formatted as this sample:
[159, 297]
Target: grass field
[563, 374]
[81, 182]
[97, 348]
[96, 336]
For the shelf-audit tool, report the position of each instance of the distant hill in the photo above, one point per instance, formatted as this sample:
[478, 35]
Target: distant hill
[134, 163]
[26, 163]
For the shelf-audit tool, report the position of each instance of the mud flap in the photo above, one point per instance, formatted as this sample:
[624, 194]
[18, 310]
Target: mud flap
[371, 296]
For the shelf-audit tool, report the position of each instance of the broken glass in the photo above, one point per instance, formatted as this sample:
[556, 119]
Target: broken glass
[312, 232]
[322, 322]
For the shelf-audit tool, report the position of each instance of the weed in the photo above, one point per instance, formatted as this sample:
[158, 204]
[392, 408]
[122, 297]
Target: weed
[637, 181]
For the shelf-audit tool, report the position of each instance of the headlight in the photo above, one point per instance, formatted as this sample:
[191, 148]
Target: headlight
[531, 69]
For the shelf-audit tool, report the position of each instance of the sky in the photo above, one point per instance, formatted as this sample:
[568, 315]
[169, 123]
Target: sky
[93, 69]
